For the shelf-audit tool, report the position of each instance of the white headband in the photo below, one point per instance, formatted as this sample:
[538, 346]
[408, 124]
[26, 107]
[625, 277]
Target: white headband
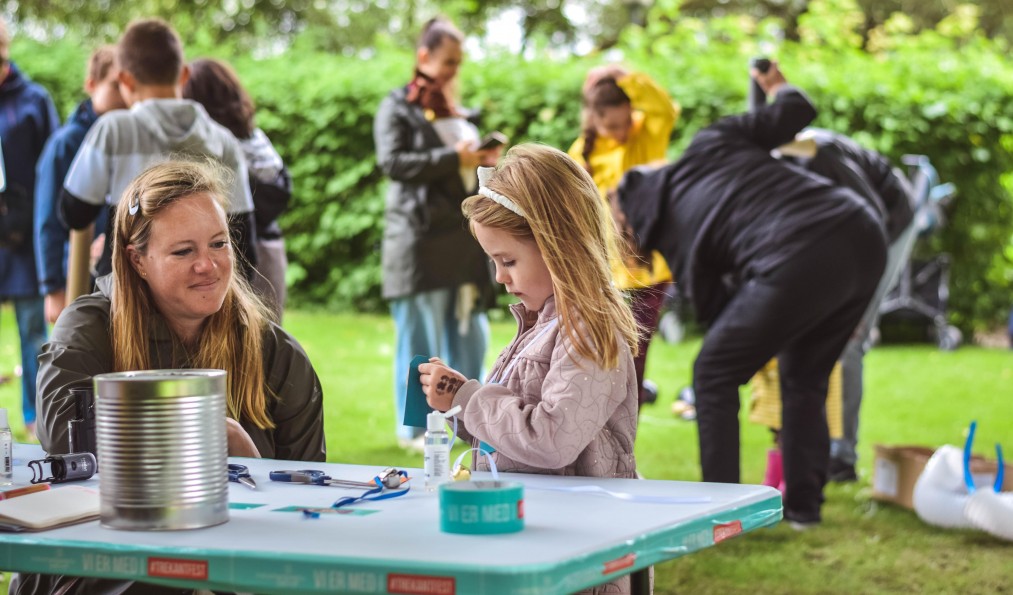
[484, 173]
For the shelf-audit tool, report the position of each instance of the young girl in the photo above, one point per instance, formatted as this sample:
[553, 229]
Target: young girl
[627, 120]
[562, 398]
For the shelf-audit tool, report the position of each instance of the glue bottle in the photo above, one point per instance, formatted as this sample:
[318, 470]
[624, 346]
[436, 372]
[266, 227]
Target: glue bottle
[436, 455]
[6, 450]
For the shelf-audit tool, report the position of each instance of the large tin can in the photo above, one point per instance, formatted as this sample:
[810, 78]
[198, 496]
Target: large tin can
[163, 447]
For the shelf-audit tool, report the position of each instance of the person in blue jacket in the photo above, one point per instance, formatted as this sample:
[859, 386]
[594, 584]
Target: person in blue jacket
[51, 234]
[28, 118]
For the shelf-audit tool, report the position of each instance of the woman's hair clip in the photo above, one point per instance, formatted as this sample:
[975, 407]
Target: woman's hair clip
[135, 205]
[484, 173]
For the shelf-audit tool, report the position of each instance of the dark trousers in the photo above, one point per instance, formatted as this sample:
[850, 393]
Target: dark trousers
[803, 312]
[646, 305]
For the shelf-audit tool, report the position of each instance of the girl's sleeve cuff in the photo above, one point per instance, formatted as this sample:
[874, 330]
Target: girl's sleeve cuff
[464, 394]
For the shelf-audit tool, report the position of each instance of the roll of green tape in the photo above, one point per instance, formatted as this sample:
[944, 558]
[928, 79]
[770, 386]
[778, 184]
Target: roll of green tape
[481, 507]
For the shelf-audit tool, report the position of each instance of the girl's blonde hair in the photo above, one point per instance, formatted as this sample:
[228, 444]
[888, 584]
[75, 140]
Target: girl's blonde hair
[232, 338]
[567, 219]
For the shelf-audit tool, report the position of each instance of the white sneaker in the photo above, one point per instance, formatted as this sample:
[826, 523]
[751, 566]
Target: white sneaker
[415, 445]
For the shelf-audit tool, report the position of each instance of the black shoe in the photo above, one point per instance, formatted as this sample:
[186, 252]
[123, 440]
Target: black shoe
[841, 472]
[649, 392]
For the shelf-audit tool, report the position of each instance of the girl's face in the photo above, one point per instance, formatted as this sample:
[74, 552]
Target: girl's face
[519, 265]
[614, 122]
[188, 262]
[441, 63]
[105, 94]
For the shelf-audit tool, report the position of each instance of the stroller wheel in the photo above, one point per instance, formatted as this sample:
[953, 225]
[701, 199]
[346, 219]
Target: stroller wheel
[950, 338]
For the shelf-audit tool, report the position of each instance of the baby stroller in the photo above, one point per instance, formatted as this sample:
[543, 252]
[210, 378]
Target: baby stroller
[920, 296]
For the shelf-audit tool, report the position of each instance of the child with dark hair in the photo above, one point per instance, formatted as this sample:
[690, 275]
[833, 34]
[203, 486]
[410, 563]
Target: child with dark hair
[158, 124]
[628, 119]
[102, 85]
[215, 85]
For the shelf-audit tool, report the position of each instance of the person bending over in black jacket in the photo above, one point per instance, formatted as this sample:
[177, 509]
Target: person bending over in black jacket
[777, 261]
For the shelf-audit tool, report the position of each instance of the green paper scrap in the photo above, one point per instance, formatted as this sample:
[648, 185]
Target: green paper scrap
[244, 505]
[328, 510]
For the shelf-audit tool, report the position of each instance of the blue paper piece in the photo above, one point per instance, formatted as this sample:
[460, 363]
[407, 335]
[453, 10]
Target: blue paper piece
[415, 406]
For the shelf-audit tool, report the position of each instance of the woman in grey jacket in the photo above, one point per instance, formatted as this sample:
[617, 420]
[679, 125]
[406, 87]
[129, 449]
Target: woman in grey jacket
[434, 273]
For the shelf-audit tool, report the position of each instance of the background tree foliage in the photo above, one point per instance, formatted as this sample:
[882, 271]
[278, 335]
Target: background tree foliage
[945, 90]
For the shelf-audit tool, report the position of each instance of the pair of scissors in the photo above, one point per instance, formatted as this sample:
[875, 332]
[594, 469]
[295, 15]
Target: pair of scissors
[389, 479]
[241, 474]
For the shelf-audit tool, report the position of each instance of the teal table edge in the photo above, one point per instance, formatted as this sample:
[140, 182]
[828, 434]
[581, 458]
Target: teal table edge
[274, 572]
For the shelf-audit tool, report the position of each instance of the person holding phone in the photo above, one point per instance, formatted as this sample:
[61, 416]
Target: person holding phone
[434, 272]
[628, 119]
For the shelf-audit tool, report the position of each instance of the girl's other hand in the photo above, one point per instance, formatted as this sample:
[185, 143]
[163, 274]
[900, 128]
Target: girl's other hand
[440, 383]
[598, 73]
[240, 443]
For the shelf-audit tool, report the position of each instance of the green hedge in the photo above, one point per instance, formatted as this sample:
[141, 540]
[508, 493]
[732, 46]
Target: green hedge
[946, 93]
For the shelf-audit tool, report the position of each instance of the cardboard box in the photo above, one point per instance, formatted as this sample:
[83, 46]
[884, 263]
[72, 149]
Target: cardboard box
[897, 468]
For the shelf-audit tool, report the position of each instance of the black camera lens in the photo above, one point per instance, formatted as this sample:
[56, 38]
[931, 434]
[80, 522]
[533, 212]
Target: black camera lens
[761, 64]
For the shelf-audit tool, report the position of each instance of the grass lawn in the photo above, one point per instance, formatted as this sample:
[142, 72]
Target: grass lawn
[914, 395]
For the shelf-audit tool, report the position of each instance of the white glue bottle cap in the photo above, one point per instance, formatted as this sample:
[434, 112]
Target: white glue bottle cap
[434, 421]
[3, 417]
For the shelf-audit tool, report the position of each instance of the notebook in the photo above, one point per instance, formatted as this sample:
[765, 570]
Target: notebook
[53, 508]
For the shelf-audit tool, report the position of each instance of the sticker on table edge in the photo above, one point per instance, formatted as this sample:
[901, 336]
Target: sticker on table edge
[620, 563]
[421, 584]
[181, 568]
[725, 531]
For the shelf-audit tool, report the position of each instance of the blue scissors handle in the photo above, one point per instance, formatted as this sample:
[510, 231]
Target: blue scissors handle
[301, 476]
[241, 474]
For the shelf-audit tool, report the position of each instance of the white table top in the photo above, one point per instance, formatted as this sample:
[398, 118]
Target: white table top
[570, 540]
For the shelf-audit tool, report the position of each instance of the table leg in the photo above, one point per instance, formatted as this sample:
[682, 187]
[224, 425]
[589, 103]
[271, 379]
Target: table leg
[640, 582]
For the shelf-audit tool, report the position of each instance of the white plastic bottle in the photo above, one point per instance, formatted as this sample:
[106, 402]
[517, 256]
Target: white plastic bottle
[436, 456]
[6, 450]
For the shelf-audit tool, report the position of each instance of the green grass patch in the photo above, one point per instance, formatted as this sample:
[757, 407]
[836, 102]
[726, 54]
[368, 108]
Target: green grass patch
[914, 394]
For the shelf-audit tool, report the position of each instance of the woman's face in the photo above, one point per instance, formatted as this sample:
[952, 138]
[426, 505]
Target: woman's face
[614, 122]
[188, 263]
[441, 63]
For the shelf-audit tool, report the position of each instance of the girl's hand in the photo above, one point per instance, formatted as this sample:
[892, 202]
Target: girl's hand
[440, 383]
[240, 443]
[596, 74]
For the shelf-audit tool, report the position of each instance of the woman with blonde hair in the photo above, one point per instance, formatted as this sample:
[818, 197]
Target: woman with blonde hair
[173, 301]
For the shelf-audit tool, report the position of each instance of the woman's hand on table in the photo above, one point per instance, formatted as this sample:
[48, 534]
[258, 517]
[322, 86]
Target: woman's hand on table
[240, 443]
